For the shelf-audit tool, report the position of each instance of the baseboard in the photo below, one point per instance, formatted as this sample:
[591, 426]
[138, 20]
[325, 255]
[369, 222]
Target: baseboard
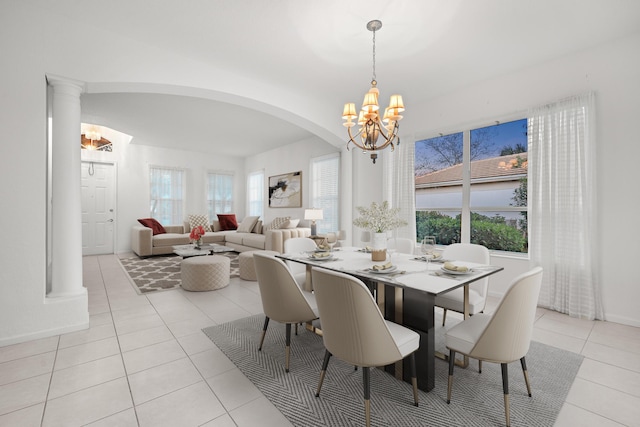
[43, 334]
[622, 320]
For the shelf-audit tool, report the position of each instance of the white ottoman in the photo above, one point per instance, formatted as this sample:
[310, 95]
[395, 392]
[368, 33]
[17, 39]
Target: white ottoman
[205, 273]
[246, 265]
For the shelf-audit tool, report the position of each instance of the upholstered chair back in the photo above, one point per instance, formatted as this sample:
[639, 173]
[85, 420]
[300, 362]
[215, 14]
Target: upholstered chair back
[282, 299]
[352, 326]
[507, 335]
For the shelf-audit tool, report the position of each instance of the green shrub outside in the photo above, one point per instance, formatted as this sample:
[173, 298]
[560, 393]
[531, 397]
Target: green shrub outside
[491, 232]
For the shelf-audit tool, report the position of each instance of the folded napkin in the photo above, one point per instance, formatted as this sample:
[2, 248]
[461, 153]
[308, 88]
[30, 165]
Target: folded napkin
[321, 254]
[382, 266]
[452, 267]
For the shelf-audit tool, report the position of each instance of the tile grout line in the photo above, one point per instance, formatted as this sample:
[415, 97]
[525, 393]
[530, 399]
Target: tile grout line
[124, 367]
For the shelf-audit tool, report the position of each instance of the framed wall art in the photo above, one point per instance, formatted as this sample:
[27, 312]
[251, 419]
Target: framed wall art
[285, 191]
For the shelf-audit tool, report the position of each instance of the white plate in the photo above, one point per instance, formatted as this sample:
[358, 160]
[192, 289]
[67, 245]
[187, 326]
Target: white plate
[385, 271]
[326, 258]
[457, 273]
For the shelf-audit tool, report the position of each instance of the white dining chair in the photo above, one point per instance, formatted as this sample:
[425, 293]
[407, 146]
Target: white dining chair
[282, 298]
[354, 330]
[297, 245]
[454, 300]
[502, 337]
[402, 245]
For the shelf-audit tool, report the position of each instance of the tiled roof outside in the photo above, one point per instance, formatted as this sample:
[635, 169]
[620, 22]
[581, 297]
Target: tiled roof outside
[502, 166]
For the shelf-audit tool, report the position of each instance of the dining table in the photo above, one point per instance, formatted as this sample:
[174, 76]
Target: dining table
[405, 291]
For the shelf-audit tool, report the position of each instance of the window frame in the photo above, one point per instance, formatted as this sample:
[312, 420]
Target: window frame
[211, 203]
[177, 212]
[467, 209]
[259, 191]
[330, 204]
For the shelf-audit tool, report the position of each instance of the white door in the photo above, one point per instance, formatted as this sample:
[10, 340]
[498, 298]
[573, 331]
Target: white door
[98, 208]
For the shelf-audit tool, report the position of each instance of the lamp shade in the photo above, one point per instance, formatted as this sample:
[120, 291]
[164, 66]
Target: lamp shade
[396, 103]
[349, 111]
[312, 214]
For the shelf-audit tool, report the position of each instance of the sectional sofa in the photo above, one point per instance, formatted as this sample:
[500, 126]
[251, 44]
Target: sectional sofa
[144, 243]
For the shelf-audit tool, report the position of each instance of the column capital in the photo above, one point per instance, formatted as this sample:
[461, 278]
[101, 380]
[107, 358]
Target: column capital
[74, 87]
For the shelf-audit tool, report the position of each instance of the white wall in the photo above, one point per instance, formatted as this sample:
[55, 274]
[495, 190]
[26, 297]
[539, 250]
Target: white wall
[291, 158]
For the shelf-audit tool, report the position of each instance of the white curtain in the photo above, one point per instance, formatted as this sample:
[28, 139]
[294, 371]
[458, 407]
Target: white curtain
[399, 185]
[563, 224]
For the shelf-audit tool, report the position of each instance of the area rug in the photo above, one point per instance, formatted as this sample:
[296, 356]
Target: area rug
[477, 399]
[162, 273]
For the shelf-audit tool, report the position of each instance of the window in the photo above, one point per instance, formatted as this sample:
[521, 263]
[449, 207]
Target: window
[325, 173]
[471, 186]
[255, 192]
[166, 195]
[219, 193]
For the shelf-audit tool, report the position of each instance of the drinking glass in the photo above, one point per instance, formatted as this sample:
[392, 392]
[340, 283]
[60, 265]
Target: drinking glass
[391, 249]
[332, 239]
[427, 248]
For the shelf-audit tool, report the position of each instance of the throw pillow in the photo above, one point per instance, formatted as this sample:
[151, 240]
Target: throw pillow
[196, 220]
[279, 222]
[215, 225]
[257, 228]
[153, 224]
[247, 224]
[292, 223]
[228, 221]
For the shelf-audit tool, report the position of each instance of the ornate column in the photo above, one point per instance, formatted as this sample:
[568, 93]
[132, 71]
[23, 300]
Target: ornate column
[66, 220]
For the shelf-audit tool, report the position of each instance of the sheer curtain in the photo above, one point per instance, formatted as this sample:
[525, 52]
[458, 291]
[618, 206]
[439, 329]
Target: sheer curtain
[399, 186]
[563, 206]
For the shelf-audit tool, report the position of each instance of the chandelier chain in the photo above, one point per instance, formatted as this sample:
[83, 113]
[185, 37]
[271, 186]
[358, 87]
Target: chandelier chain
[374, 56]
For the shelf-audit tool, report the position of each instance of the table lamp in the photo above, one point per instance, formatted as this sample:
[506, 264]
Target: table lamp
[313, 215]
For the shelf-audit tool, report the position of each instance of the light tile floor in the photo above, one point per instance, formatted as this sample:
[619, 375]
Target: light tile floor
[145, 362]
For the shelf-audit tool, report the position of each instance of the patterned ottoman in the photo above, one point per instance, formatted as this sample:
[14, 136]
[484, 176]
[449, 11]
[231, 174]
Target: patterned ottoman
[205, 273]
[246, 265]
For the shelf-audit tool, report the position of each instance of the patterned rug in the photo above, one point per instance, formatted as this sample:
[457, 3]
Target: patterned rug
[162, 272]
[477, 399]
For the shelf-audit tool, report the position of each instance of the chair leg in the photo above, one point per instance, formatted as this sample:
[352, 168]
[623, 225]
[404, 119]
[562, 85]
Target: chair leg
[296, 329]
[444, 316]
[526, 375]
[366, 381]
[414, 381]
[505, 388]
[287, 348]
[479, 366]
[264, 332]
[323, 372]
[452, 362]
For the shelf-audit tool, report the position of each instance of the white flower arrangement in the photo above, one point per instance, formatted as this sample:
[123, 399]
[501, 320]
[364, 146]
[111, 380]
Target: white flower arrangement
[379, 218]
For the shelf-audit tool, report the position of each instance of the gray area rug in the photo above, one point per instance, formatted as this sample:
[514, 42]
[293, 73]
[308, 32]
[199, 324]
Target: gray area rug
[477, 399]
[162, 272]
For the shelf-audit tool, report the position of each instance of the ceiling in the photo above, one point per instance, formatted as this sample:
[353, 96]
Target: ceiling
[322, 52]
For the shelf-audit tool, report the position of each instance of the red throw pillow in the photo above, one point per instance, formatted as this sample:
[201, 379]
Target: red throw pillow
[228, 221]
[153, 225]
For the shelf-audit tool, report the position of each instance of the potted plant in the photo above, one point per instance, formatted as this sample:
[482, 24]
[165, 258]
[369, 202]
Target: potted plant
[379, 218]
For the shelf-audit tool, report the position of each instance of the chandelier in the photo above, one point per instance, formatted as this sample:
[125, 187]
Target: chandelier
[93, 140]
[374, 134]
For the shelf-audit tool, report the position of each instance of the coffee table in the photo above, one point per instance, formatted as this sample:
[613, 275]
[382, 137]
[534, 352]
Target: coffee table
[186, 251]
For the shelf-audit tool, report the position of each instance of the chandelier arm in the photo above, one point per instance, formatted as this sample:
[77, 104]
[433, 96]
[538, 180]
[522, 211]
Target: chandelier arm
[352, 138]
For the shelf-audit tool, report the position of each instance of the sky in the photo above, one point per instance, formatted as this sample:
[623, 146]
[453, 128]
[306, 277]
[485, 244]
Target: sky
[495, 138]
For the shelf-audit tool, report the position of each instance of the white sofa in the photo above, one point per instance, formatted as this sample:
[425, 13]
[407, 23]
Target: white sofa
[144, 243]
